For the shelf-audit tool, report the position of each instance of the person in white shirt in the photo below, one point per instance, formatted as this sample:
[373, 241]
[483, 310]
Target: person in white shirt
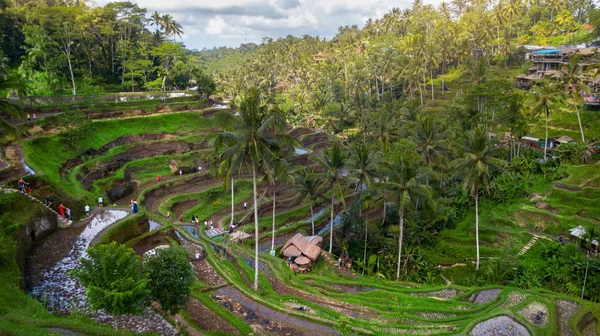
[87, 210]
[100, 202]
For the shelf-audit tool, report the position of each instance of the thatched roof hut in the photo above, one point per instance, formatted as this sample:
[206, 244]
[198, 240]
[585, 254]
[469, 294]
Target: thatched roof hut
[303, 250]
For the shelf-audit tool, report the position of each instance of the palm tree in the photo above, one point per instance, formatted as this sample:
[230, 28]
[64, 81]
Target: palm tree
[573, 83]
[432, 140]
[248, 142]
[278, 173]
[545, 98]
[405, 180]
[477, 165]
[156, 20]
[363, 164]
[9, 109]
[308, 186]
[332, 163]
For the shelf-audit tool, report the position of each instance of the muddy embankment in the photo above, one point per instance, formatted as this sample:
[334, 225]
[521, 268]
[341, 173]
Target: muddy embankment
[133, 153]
[71, 163]
[198, 183]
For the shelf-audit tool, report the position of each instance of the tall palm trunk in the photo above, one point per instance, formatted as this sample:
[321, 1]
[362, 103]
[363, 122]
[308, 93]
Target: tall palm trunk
[578, 118]
[477, 224]
[255, 229]
[365, 250]
[312, 218]
[401, 225]
[232, 204]
[546, 141]
[273, 230]
[331, 220]
[432, 90]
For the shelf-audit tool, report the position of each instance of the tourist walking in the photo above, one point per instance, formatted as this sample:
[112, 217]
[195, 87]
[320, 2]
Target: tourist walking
[100, 203]
[87, 210]
[21, 185]
[181, 217]
[180, 172]
[168, 214]
[61, 210]
[48, 200]
[28, 117]
[134, 207]
[34, 118]
[245, 206]
[200, 168]
[158, 178]
[69, 213]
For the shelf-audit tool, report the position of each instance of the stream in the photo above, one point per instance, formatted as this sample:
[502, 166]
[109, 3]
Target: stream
[64, 294]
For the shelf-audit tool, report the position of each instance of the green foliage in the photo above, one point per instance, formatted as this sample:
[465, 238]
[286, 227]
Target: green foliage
[7, 242]
[510, 186]
[572, 153]
[114, 279]
[170, 277]
[125, 230]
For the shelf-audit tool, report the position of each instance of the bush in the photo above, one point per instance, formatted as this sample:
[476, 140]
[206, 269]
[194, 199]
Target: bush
[114, 278]
[170, 278]
[510, 186]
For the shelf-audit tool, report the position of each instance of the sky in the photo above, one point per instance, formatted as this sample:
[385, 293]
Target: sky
[215, 23]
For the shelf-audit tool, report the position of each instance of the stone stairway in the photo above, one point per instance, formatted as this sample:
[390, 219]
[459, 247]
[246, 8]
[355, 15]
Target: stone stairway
[529, 245]
[62, 222]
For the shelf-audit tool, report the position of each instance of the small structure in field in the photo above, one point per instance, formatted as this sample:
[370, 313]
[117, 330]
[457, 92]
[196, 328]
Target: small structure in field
[302, 252]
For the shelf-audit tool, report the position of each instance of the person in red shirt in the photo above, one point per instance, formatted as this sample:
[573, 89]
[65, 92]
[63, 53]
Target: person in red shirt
[61, 210]
[158, 178]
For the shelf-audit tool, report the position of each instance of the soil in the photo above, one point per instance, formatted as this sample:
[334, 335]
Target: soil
[205, 272]
[148, 243]
[180, 207]
[133, 153]
[14, 155]
[196, 183]
[313, 139]
[536, 313]
[266, 321]
[546, 206]
[442, 294]
[484, 296]
[564, 311]
[206, 319]
[501, 325]
[300, 131]
[69, 164]
[586, 321]
[567, 187]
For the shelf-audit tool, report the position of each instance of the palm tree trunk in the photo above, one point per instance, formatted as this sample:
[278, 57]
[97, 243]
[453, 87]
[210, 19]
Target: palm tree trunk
[477, 225]
[232, 204]
[401, 224]
[578, 118]
[331, 221]
[546, 143]
[255, 230]
[432, 90]
[74, 88]
[273, 230]
[312, 218]
[384, 207]
[365, 250]
[421, 92]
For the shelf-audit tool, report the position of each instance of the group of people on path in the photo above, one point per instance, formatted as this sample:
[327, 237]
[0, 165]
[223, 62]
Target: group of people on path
[29, 118]
[64, 211]
[24, 187]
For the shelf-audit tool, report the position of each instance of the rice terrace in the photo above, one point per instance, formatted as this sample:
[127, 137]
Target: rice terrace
[433, 170]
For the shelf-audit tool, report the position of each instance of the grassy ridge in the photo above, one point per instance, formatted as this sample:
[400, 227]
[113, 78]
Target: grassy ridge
[47, 154]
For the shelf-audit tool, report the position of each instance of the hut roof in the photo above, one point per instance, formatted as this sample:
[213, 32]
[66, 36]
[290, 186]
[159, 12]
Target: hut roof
[564, 139]
[315, 239]
[239, 235]
[300, 243]
[291, 251]
[302, 260]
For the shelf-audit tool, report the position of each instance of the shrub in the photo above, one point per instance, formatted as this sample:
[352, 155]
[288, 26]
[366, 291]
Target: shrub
[114, 279]
[510, 186]
[170, 278]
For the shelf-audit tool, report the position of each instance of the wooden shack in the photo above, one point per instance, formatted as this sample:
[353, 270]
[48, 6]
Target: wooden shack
[301, 252]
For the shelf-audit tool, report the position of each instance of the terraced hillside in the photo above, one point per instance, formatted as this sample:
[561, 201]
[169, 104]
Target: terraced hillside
[121, 159]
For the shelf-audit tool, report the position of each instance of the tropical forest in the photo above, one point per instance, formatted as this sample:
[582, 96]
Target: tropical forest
[433, 170]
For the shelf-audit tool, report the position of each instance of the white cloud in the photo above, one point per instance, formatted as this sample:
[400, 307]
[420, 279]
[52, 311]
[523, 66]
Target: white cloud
[209, 23]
